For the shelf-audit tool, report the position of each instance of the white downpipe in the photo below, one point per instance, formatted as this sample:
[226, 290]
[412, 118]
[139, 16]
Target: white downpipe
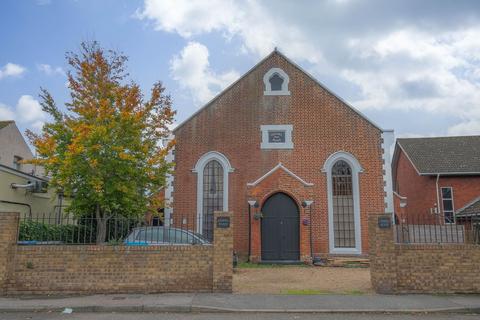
[438, 194]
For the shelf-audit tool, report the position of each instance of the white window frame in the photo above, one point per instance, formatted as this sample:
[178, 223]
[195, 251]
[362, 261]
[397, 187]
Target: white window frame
[268, 87]
[356, 169]
[287, 128]
[199, 167]
[453, 204]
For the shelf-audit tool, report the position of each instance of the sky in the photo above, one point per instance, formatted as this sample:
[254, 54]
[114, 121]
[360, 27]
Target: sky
[412, 66]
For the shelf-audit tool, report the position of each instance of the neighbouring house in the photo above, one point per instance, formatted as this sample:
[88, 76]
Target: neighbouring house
[23, 187]
[437, 176]
[299, 167]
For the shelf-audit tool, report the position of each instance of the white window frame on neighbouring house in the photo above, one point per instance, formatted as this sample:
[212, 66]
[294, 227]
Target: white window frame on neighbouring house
[443, 206]
[199, 168]
[266, 129]
[356, 170]
[268, 86]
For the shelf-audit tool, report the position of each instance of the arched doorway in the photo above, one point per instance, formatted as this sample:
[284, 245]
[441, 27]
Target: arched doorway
[280, 229]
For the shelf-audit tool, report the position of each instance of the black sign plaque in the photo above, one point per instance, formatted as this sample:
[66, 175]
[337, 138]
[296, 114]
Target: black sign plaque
[384, 222]
[223, 222]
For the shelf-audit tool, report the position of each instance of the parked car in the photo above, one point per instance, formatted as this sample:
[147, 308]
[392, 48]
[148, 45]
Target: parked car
[161, 235]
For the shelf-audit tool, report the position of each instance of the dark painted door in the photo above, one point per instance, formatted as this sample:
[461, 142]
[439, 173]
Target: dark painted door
[280, 228]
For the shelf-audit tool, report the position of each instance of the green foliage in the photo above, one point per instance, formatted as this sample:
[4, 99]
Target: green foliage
[69, 233]
[105, 152]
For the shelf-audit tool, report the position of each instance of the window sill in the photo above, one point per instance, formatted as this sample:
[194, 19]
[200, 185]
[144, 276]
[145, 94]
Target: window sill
[276, 93]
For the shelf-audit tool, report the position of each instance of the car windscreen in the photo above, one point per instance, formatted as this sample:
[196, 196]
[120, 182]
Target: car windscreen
[152, 235]
[167, 235]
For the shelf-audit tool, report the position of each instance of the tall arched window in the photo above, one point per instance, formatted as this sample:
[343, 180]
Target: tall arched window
[212, 189]
[343, 213]
[344, 233]
[212, 195]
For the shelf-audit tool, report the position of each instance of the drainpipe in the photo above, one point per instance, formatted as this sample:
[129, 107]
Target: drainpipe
[438, 194]
[251, 203]
[20, 204]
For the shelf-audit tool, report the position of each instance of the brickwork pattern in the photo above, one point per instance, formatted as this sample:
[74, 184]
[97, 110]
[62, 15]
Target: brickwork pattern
[223, 255]
[421, 190]
[73, 269]
[8, 237]
[322, 125]
[421, 268]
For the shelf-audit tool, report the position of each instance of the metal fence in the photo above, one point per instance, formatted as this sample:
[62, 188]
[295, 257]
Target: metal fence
[436, 228]
[117, 230]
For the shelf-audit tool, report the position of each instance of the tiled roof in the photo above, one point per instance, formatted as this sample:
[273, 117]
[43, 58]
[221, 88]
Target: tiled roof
[473, 208]
[443, 155]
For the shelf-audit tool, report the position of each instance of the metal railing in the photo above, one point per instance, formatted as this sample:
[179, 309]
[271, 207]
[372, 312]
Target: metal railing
[436, 228]
[117, 230]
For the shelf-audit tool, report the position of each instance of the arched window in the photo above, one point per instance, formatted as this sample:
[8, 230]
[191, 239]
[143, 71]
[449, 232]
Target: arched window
[212, 195]
[212, 189]
[342, 171]
[276, 82]
[342, 197]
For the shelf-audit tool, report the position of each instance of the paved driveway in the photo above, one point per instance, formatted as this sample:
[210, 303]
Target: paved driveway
[302, 280]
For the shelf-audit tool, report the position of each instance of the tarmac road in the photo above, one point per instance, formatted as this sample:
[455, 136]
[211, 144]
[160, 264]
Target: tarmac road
[229, 316]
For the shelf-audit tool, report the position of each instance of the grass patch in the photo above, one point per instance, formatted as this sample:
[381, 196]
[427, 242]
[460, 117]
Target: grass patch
[354, 292]
[310, 292]
[305, 292]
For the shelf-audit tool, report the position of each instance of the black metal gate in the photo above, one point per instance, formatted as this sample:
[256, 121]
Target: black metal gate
[280, 229]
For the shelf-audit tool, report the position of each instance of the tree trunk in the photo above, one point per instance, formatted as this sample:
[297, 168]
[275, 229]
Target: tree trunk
[101, 225]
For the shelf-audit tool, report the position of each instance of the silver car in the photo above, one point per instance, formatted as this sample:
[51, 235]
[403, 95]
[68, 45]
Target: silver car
[160, 235]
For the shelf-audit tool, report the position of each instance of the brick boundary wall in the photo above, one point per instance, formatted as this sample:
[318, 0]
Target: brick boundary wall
[421, 268]
[82, 269]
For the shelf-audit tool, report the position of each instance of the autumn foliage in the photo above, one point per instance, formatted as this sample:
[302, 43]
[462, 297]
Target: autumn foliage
[105, 149]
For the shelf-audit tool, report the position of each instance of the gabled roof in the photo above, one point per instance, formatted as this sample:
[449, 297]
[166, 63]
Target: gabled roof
[3, 124]
[472, 208]
[279, 166]
[277, 52]
[442, 155]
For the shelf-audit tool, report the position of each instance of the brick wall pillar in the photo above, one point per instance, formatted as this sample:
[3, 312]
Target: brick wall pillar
[8, 240]
[383, 262]
[223, 252]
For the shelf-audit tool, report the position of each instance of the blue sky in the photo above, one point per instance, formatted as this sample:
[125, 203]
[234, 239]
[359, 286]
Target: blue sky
[408, 65]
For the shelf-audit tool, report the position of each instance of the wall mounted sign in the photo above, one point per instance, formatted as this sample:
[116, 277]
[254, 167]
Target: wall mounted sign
[384, 222]
[223, 222]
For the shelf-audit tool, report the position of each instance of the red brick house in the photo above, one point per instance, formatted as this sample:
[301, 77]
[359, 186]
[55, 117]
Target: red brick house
[279, 146]
[437, 175]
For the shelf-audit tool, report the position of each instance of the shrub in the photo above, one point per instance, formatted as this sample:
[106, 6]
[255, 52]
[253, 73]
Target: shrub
[68, 233]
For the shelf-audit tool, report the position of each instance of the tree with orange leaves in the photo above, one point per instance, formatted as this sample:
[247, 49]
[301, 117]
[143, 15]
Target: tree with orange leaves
[105, 151]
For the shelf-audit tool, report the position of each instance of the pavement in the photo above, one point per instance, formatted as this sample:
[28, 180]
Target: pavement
[246, 303]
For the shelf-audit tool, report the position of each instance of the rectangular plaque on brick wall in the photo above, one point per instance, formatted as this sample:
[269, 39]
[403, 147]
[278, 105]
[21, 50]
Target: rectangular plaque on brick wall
[384, 222]
[223, 222]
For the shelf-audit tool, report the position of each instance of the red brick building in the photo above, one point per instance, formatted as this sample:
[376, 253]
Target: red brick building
[437, 177]
[279, 146]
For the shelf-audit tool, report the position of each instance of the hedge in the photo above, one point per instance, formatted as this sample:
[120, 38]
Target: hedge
[67, 233]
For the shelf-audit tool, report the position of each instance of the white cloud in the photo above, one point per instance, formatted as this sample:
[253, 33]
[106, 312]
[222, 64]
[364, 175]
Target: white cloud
[470, 127]
[191, 68]
[11, 70]
[27, 112]
[6, 112]
[49, 70]
[259, 30]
